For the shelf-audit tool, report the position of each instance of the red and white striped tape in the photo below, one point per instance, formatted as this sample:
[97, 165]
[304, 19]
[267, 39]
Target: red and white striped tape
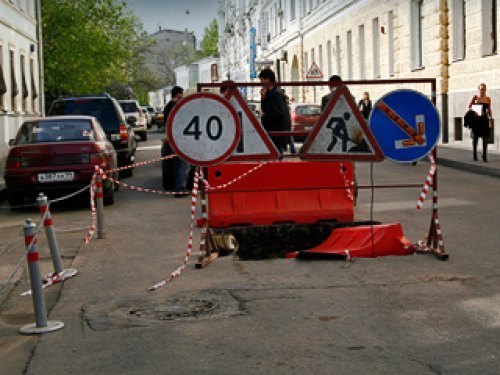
[236, 179]
[180, 269]
[427, 184]
[142, 163]
[93, 214]
[349, 185]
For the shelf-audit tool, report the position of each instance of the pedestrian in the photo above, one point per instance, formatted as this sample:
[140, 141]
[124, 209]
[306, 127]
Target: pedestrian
[275, 113]
[181, 168]
[481, 104]
[326, 99]
[365, 105]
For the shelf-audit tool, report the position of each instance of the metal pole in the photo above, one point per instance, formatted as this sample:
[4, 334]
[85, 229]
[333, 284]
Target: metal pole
[59, 274]
[100, 208]
[49, 232]
[41, 324]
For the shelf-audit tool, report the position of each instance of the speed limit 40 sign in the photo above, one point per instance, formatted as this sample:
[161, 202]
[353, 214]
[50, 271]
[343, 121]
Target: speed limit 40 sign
[203, 129]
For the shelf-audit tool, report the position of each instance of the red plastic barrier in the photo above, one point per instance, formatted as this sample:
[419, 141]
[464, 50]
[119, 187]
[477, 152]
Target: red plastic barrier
[284, 192]
[364, 241]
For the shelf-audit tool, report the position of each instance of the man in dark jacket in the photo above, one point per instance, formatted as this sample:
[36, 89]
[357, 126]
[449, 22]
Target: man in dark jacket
[326, 99]
[275, 113]
[181, 168]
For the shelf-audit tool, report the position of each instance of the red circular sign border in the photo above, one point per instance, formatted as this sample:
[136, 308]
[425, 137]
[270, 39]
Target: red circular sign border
[176, 109]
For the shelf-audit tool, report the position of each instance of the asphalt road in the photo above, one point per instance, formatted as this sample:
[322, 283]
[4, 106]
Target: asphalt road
[412, 315]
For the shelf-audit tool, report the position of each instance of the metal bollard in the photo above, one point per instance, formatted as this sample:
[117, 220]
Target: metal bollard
[41, 324]
[100, 208]
[52, 240]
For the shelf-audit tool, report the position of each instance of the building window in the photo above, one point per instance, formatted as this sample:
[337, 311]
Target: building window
[489, 25]
[376, 47]
[3, 84]
[458, 129]
[292, 10]
[14, 91]
[458, 20]
[361, 31]
[349, 55]
[329, 57]
[306, 63]
[24, 86]
[416, 31]
[320, 57]
[338, 55]
[390, 35]
[34, 93]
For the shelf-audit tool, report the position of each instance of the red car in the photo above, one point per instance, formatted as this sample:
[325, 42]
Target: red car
[304, 117]
[57, 154]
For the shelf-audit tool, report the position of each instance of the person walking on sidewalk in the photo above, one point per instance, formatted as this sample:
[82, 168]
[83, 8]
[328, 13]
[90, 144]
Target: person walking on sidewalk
[481, 104]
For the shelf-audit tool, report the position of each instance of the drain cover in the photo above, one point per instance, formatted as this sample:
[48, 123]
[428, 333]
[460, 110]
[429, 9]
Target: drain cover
[178, 308]
[134, 312]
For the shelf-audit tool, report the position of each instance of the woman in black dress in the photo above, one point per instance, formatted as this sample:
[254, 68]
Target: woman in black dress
[483, 122]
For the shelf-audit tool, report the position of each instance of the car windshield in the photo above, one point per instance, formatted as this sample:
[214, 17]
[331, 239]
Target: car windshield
[151, 110]
[129, 107]
[55, 131]
[308, 110]
[102, 109]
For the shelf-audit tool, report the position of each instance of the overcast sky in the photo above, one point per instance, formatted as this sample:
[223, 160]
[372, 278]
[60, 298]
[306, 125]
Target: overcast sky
[194, 15]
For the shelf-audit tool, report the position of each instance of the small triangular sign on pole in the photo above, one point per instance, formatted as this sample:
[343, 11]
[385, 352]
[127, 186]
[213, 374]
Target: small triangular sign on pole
[314, 72]
[341, 133]
[255, 143]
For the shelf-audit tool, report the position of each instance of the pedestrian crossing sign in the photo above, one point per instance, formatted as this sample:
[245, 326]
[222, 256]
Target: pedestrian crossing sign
[314, 72]
[341, 133]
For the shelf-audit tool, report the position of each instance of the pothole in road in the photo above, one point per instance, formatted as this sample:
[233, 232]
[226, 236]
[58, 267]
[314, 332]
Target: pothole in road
[133, 312]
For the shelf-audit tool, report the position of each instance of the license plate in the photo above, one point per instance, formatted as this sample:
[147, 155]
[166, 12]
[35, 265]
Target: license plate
[56, 177]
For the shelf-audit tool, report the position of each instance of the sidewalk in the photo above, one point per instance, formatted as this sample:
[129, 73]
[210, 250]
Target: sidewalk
[462, 159]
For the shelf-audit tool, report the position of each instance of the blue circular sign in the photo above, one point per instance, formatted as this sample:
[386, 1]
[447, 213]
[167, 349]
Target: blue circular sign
[405, 124]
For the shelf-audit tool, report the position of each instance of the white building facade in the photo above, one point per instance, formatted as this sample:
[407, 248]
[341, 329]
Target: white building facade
[453, 41]
[21, 87]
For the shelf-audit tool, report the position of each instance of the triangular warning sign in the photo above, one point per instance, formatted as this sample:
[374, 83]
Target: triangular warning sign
[341, 133]
[314, 71]
[255, 143]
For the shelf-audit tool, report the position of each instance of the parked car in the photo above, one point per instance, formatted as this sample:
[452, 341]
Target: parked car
[152, 114]
[149, 121]
[112, 119]
[304, 117]
[58, 154]
[133, 110]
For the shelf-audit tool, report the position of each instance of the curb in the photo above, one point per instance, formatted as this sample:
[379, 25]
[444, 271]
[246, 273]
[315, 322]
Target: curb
[473, 168]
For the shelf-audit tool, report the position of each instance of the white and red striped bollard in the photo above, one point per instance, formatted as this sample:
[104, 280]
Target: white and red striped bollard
[59, 274]
[41, 324]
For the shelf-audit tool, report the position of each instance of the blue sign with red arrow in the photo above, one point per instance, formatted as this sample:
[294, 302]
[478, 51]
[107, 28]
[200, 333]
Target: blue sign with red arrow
[405, 124]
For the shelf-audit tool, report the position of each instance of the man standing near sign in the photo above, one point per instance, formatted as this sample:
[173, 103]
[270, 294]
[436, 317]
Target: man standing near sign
[326, 99]
[180, 167]
[275, 113]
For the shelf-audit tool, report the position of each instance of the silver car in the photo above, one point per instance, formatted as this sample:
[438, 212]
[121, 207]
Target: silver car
[131, 108]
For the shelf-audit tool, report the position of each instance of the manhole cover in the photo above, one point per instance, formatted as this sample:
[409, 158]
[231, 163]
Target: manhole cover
[178, 308]
[134, 312]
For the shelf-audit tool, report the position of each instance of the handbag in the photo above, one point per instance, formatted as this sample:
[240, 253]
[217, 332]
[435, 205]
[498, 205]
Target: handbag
[470, 119]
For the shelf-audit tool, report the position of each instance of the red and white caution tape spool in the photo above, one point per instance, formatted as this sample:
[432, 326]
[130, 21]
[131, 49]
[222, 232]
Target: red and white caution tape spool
[427, 184]
[180, 269]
